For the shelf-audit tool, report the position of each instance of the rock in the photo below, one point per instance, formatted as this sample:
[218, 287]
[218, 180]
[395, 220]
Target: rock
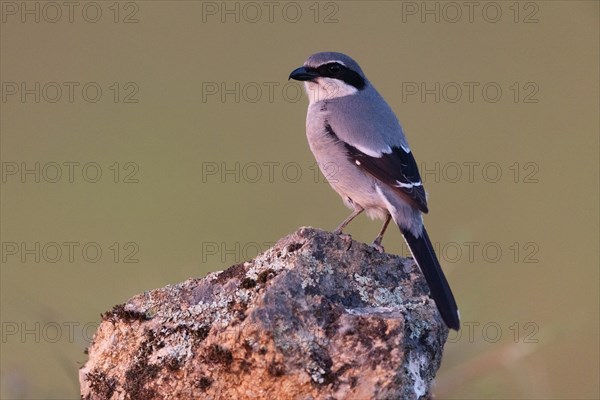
[317, 316]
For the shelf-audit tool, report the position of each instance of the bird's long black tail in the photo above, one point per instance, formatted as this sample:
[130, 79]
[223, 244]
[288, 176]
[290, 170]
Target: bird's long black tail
[424, 255]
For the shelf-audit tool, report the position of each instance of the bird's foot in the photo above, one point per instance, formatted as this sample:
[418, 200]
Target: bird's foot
[345, 237]
[378, 247]
[377, 244]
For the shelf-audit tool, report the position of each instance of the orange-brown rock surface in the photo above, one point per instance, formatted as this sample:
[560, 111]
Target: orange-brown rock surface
[317, 316]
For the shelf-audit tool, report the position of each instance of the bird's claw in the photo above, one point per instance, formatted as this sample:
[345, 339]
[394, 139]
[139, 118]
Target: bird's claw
[377, 246]
[345, 237]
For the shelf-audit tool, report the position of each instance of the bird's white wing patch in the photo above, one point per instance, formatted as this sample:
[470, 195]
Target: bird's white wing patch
[371, 152]
[408, 185]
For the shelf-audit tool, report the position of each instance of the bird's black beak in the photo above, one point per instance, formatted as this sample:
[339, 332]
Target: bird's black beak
[303, 74]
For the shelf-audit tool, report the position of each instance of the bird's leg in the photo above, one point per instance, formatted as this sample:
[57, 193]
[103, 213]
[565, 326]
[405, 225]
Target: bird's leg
[377, 242]
[345, 222]
[338, 231]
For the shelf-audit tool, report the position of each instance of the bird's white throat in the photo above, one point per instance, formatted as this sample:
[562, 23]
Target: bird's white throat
[327, 88]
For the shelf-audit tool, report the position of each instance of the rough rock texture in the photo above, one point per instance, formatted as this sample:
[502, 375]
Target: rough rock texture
[317, 316]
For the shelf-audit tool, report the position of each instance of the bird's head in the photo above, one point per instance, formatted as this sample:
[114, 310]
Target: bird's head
[330, 75]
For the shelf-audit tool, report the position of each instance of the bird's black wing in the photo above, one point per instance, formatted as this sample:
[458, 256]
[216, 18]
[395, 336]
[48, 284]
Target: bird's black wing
[397, 169]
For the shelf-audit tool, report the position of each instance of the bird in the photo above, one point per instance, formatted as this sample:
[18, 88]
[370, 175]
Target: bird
[362, 151]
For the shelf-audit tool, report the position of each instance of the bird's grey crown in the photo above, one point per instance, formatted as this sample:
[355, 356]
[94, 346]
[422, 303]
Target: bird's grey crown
[318, 59]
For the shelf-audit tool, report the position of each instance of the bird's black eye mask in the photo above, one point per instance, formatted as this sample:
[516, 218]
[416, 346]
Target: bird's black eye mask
[338, 71]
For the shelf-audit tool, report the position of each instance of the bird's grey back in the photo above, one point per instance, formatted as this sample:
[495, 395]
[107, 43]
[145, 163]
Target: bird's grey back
[364, 120]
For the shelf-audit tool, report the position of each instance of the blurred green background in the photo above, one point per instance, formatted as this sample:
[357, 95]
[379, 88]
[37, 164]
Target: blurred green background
[184, 109]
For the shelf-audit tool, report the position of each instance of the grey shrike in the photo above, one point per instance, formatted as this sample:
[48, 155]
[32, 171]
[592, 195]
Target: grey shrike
[362, 151]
